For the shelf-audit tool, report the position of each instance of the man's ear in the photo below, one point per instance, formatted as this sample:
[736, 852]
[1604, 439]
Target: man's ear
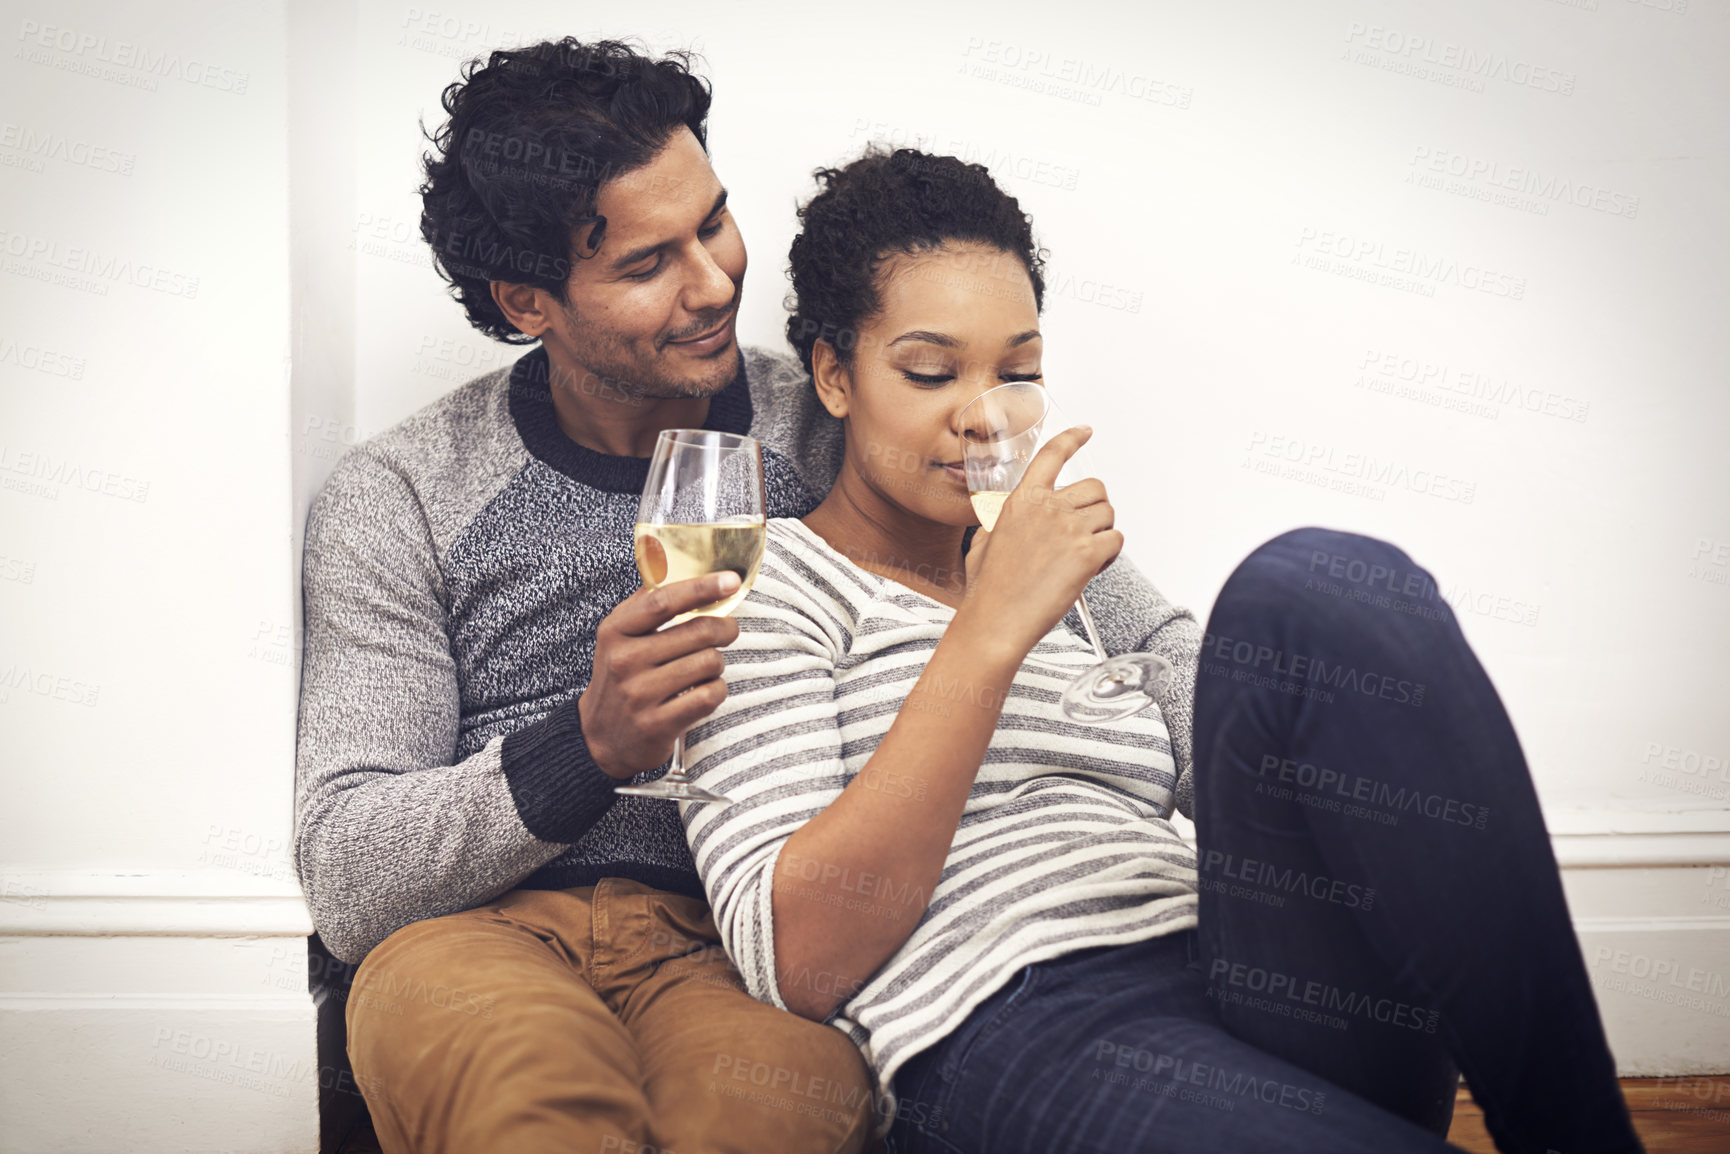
[833, 382]
[526, 307]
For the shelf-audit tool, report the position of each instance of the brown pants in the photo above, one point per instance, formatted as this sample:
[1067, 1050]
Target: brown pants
[599, 1020]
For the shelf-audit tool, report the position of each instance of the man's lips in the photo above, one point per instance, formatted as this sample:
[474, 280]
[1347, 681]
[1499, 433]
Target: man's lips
[713, 336]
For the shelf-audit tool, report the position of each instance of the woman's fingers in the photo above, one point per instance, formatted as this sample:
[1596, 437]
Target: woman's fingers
[1082, 494]
[1049, 461]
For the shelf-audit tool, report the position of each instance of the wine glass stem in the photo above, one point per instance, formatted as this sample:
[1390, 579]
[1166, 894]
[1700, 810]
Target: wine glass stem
[676, 767]
[1087, 624]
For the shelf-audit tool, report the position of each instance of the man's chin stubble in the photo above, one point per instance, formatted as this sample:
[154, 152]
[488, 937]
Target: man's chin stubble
[668, 390]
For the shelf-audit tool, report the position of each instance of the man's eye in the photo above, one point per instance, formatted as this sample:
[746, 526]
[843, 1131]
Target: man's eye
[646, 274]
[710, 229]
[928, 379]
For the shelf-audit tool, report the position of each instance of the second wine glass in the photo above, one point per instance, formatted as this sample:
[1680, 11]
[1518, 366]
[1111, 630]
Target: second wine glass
[702, 512]
[1001, 430]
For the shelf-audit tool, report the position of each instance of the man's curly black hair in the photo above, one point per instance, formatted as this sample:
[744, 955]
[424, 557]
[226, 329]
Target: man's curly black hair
[532, 136]
[882, 204]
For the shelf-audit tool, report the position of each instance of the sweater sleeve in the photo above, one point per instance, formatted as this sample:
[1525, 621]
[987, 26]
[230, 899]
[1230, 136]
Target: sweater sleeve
[1134, 617]
[390, 828]
[773, 748]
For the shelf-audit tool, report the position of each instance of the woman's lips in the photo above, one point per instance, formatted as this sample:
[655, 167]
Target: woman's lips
[955, 471]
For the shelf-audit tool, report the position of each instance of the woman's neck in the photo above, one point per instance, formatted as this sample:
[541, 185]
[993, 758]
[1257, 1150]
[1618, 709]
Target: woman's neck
[878, 535]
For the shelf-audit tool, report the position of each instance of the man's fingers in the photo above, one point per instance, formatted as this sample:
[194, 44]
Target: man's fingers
[691, 636]
[689, 708]
[658, 686]
[1048, 462]
[648, 609]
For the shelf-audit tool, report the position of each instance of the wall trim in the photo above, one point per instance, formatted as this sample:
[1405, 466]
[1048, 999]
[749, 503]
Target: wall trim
[231, 903]
[161, 903]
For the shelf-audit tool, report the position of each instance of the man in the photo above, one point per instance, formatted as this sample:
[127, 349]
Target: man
[481, 669]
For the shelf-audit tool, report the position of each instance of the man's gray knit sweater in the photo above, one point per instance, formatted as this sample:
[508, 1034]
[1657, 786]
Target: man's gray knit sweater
[456, 569]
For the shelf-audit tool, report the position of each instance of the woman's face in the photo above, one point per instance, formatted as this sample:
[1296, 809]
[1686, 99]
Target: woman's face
[955, 321]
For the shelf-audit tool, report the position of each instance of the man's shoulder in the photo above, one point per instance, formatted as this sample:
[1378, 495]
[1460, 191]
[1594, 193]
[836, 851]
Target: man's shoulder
[446, 457]
[787, 418]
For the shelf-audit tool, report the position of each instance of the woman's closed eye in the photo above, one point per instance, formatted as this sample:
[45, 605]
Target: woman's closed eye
[933, 380]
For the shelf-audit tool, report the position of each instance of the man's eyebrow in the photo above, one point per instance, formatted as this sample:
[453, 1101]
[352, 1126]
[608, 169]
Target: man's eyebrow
[928, 337]
[649, 250]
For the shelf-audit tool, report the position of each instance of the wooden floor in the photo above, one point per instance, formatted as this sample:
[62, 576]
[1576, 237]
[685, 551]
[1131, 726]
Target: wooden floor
[1673, 1116]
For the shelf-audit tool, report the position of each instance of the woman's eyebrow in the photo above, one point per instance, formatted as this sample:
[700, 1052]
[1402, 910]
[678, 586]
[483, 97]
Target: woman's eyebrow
[1021, 338]
[928, 337]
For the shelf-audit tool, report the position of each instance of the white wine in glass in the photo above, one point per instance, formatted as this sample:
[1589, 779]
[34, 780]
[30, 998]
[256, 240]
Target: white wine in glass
[668, 553]
[702, 512]
[1001, 430]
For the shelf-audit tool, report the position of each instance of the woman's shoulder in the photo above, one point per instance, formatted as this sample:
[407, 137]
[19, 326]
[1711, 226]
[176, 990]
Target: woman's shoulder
[802, 580]
[795, 557]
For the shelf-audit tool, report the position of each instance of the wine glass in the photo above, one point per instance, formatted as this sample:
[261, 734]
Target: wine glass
[1001, 430]
[702, 512]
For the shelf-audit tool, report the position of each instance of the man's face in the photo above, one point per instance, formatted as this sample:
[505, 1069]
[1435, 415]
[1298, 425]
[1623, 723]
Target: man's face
[653, 310]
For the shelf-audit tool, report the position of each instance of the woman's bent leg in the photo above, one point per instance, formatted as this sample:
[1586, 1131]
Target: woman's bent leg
[1379, 898]
[1120, 1050]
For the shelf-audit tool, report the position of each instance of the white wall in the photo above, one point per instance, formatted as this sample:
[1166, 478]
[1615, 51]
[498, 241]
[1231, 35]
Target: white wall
[1213, 181]
[152, 958]
[1578, 534]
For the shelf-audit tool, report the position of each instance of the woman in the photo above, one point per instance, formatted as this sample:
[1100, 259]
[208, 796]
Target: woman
[989, 898]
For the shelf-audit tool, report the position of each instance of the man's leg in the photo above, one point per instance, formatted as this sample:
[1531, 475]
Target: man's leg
[1379, 898]
[476, 1032]
[723, 1071]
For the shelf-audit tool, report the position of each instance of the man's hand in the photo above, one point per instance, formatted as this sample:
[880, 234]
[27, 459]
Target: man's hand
[633, 708]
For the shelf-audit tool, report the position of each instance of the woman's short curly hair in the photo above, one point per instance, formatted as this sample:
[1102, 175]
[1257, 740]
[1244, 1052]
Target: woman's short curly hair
[532, 135]
[882, 204]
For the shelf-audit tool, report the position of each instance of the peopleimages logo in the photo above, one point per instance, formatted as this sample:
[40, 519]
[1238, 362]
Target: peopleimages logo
[1370, 259]
[1404, 51]
[86, 52]
[1305, 671]
[87, 268]
[1493, 176]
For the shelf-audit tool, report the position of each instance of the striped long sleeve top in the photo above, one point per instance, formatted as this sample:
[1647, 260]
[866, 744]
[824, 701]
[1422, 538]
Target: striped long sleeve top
[1063, 845]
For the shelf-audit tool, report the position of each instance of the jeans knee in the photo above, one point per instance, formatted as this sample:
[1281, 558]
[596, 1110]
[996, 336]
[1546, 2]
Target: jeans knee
[1351, 566]
[1336, 555]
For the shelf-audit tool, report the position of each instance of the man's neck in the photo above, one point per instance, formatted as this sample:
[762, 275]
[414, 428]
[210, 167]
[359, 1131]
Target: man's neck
[880, 536]
[601, 415]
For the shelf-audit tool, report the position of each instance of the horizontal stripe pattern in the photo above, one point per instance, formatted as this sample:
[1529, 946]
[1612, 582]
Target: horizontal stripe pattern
[1063, 845]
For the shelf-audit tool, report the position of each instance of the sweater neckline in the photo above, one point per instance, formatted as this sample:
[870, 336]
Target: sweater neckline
[811, 536]
[537, 423]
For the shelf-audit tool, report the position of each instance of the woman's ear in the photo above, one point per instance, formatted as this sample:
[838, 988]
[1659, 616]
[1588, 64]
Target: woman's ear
[831, 378]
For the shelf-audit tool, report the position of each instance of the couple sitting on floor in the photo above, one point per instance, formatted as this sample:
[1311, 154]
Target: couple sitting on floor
[944, 915]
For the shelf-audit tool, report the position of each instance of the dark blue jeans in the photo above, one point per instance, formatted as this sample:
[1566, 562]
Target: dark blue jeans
[1380, 911]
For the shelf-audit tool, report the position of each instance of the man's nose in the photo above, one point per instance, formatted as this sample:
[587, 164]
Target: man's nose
[710, 288]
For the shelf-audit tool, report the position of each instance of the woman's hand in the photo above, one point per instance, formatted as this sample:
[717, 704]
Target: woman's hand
[1023, 576]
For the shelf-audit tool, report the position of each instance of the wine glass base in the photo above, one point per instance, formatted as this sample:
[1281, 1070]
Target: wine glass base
[672, 790]
[1120, 687]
